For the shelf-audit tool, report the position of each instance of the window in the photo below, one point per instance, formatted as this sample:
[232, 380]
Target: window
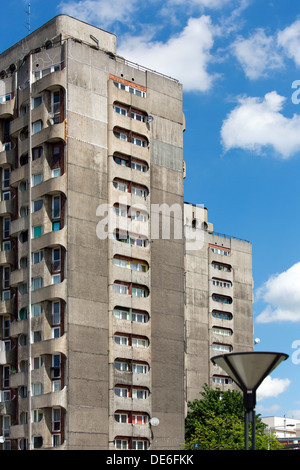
[139, 317]
[121, 365]
[137, 116]
[121, 314]
[55, 278]
[6, 228]
[121, 444]
[56, 440]
[139, 444]
[220, 283]
[5, 195]
[37, 336]
[130, 89]
[6, 425]
[23, 313]
[222, 315]
[42, 73]
[56, 419]
[222, 347]
[140, 368]
[120, 186]
[37, 256]
[36, 389]
[121, 340]
[139, 166]
[56, 313]
[56, 366]
[121, 418]
[121, 392]
[222, 299]
[140, 393]
[37, 442]
[139, 191]
[36, 283]
[139, 419]
[36, 102]
[5, 277]
[6, 295]
[140, 343]
[138, 215]
[56, 207]
[56, 386]
[5, 376]
[37, 362]
[55, 226]
[55, 172]
[139, 292]
[37, 416]
[6, 323]
[127, 263]
[36, 231]
[222, 331]
[120, 110]
[121, 289]
[36, 310]
[139, 141]
[55, 107]
[220, 251]
[37, 152]
[56, 259]
[222, 380]
[37, 205]
[6, 246]
[37, 179]
[5, 178]
[5, 98]
[36, 127]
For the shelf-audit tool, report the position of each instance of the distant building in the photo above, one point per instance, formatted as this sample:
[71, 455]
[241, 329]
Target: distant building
[287, 430]
[109, 314]
[218, 301]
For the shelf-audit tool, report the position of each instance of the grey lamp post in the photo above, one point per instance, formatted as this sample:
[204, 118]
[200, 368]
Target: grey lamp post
[248, 370]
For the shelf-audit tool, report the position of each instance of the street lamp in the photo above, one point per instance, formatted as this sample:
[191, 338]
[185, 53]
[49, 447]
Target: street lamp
[248, 370]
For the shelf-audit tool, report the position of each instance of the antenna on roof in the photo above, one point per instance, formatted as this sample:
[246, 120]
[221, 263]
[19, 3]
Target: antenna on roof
[29, 15]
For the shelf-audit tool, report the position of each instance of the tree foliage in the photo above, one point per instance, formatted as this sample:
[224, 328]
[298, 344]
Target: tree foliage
[216, 422]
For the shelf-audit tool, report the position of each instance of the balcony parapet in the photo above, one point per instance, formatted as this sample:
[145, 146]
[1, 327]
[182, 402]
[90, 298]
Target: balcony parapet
[8, 157]
[48, 400]
[7, 109]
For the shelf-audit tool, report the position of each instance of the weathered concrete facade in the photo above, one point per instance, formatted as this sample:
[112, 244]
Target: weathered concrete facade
[218, 301]
[97, 349]
[107, 305]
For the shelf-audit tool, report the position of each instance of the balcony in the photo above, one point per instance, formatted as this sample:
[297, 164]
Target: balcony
[50, 81]
[7, 257]
[7, 109]
[7, 207]
[7, 307]
[8, 157]
[49, 400]
[7, 357]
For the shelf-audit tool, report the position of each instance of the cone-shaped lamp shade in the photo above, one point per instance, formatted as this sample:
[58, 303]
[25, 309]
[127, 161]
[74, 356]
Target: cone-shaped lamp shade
[249, 369]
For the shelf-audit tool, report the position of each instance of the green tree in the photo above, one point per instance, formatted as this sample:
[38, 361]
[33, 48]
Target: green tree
[216, 422]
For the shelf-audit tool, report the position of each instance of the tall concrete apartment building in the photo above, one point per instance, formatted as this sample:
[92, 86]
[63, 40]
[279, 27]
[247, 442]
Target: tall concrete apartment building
[104, 325]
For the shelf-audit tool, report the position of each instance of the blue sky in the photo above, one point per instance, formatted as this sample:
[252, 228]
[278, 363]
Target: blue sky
[239, 63]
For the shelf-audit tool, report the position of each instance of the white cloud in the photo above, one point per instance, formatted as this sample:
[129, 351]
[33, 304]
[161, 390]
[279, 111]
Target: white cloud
[212, 4]
[184, 57]
[271, 388]
[282, 295]
[256, 124]
[101, 12]
[268, 411]
[295, 414]
[289, 40]
[257, 55]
